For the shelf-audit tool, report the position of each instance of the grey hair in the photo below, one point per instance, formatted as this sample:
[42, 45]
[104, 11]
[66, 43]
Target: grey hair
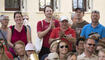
[2, 17]
[72, 16]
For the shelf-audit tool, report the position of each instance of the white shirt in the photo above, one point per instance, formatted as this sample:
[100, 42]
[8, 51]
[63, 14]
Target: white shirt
[83, 57]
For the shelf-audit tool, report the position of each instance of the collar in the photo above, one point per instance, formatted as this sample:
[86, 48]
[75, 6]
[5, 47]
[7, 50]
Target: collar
[96, 26]
[84, 55]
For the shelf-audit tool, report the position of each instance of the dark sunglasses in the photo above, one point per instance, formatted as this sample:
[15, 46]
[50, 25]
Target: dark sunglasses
[66, 46]
[91, 44]
[25, 18]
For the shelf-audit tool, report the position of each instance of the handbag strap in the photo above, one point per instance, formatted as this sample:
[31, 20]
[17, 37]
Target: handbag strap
[42, 23]
[3, 37]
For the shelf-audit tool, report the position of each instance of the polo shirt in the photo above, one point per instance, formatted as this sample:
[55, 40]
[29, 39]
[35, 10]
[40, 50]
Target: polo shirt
[83, 57]
[88, 29]
[70, 32]
[41, 28]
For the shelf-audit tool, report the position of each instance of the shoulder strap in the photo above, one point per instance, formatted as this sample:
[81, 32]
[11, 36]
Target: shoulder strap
[25, 28]
[42, 23]
[4, 39]
[3, 35]
[13, 28]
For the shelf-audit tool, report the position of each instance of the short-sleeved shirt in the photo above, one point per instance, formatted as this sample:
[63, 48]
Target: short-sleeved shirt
[41, 28]
[88, 29]
[83, 57]
[78, 27]
[16, 35]
[70, 32]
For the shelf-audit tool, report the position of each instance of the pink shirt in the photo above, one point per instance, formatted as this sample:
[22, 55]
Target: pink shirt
[41, 28]
[19, 35]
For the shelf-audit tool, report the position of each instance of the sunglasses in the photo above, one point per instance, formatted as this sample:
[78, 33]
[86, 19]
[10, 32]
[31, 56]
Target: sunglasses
[91, 44]
[66, 46]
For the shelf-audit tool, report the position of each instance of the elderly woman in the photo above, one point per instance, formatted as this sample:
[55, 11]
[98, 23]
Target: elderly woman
[18, 31]
[4, 20]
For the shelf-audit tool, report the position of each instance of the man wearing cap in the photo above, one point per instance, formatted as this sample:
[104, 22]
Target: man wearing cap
[80, 22]
[94, 26]
[64, 32]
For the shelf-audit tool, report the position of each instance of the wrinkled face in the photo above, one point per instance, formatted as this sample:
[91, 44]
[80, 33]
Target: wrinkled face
[90, 45]
[54, 48]
[64, 24]
[79, 14]
[95, 17]
[81, 45]
[29, 52]
[63, 48]
[18, 19]
[48, 12]
[20, 49]
[101, 55]
[5, 21]
[74, 18]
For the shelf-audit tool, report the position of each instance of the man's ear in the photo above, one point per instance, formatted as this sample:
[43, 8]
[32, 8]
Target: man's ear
[84, 45]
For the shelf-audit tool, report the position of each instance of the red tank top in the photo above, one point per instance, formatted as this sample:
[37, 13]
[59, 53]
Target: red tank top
[16, 36]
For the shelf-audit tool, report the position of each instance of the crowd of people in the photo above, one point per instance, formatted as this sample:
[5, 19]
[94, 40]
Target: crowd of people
[62, 40]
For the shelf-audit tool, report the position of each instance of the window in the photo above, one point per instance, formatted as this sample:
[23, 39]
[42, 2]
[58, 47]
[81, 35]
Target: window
[85, 4]
[12, 5]
[54, 3]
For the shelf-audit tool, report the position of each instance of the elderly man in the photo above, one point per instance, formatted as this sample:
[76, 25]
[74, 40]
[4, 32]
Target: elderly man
[88, 53]
[64, 32]
[4, 19]
[94, 27]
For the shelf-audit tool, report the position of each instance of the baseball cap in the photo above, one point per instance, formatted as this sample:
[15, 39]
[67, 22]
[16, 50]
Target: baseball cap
[64, 18]
[29, 46]
[4, 17]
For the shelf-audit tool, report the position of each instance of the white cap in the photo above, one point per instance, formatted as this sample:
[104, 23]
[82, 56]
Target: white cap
[64, 18]
[53, 55]
[29, 46]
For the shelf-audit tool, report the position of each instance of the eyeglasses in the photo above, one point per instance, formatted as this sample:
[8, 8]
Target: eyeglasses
[66, 46]
[91, 44]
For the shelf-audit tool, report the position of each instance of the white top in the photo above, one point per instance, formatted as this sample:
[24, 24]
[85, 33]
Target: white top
[83, 57]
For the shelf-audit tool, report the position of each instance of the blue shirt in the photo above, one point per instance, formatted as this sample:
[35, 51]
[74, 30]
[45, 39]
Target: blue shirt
[88, 29]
